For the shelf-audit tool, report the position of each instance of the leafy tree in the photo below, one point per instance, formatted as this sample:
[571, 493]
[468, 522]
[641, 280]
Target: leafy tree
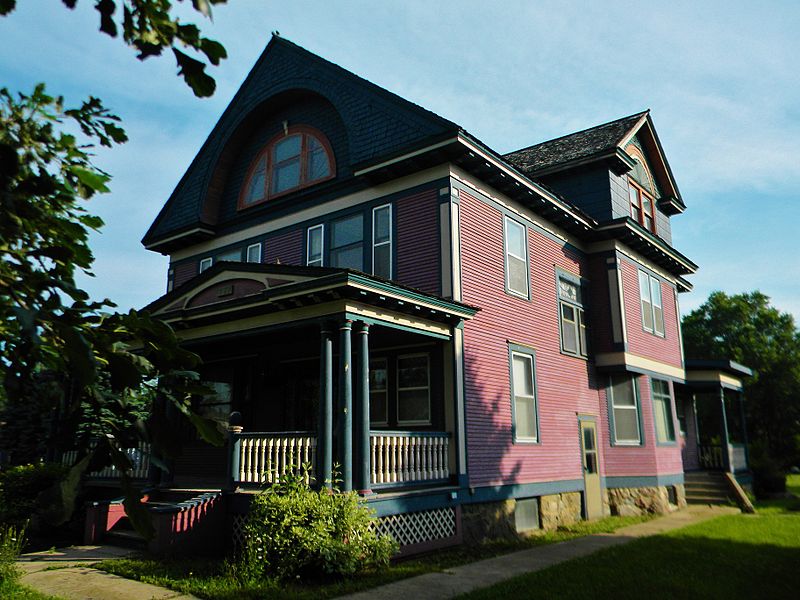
[746, 329]
[77, 371]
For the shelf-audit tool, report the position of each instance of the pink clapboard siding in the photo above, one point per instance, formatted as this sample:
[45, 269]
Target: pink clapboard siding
[663, 349]
[646, 460]
[564, 384]
[418, 260]
[184, 272]
[285, 247]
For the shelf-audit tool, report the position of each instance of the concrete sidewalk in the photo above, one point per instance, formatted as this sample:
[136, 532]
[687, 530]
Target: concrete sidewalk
[65, 573]
[485, 573]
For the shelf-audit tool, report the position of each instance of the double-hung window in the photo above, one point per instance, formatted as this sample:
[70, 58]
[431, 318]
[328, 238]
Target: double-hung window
[315, 238]
[624, 410]
[347, 242]
[413, 389]
[516, 243]
[662, 411]
[382, 241]
[571, 315]
[641, 207]
[652, 306]
[523, 395]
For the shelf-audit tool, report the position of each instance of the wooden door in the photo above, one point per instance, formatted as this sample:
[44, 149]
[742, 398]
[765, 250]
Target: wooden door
[593, 495]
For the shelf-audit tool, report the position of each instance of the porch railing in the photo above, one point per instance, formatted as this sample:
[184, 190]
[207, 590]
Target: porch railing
[711, 457]
[738, 457]
[139, 456]
[409, 456]
[261, 458]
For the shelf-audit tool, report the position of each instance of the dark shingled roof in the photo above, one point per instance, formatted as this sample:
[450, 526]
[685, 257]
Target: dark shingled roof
[574, 146]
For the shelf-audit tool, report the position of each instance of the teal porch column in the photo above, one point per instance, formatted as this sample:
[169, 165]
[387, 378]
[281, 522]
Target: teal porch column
[362, 415]
[346, 405]
[325, 427]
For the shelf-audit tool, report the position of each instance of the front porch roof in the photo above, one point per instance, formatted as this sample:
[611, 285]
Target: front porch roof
[715, 373]
[232, 297]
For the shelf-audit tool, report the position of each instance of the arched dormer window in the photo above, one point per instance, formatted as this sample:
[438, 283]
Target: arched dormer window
[290, 161]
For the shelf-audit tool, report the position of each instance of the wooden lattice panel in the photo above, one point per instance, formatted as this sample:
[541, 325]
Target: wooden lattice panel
[419, 527]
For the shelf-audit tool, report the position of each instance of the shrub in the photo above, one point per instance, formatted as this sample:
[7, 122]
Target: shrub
[294, 532]
[20, 487]
[11, 542]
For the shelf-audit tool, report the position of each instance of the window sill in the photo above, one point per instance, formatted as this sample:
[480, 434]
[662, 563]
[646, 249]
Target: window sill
[578, 356]
[527, 297]
[527, 441]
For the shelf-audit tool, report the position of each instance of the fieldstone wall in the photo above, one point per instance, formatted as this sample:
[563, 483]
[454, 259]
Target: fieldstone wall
[560, 509]
[495, 520]
[627, 502]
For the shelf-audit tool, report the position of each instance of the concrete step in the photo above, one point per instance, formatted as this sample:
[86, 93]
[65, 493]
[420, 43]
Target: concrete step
[707, 500]
[705, 486]
[126, 538]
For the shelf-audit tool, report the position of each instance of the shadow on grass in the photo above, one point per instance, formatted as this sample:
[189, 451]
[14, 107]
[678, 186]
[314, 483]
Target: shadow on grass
[732, 557]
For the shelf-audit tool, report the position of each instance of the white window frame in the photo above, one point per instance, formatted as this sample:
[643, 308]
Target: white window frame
[427, 388]
[507, 221]
[205, 264]
[636, 408]
[247, 252]
[649, 290]
[389, 242]
[579, 324]
[321, 261]
[669, 417]
[515, 394]
[170, 279]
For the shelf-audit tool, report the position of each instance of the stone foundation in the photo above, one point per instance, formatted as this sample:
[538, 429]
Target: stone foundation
[627, 502]
[495, 520]
[560, 509]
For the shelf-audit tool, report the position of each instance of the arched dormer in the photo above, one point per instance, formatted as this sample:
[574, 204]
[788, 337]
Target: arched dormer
[299, 157]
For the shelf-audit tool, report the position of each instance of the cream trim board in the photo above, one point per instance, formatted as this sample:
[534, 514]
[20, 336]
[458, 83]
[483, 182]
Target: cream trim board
[392, 318]
[405, 156]
[609, 359]
[715, 376]
[617, 246]
[315, 212]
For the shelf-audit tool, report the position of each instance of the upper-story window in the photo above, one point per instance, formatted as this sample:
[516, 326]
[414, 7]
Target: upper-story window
[347, 242]
[206, 263]
[652, 307]
[571, 315]
[289, 162]
[516, 249]
[642, 207]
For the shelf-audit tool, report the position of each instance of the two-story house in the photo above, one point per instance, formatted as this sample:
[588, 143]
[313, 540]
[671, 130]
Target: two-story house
[478, 343]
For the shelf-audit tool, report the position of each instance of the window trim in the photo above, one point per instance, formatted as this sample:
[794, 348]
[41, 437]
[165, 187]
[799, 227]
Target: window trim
[389, 242]
[637, 405]
[671, 409]
[266, 154]
[580, 314]
[640, 191]
[170, 279]
[400, 422]
[321, 227]
[247, 253]
[651, 283]
[209, 260]
[529, 353]
[527, 295]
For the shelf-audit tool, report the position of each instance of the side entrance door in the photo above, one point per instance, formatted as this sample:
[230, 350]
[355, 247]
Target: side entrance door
[593, 497]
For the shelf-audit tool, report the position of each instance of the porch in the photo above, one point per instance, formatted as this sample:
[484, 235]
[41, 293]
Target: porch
[346, 385]
[712, 417]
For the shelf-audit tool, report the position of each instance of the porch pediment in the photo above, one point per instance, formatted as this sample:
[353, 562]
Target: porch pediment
[243, 296]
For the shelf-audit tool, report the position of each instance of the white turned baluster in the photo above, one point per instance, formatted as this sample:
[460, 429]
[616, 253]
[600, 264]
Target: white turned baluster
[447, 457]
[401, 459]
[426, 445]
[372, 477]
[385, 444]
[242, 459]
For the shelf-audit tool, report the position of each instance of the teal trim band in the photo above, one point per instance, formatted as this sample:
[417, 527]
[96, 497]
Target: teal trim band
[414, 502]
[521, 490]
[637, 481]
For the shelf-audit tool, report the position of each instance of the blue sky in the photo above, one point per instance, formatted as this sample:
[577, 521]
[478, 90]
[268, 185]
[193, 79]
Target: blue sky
[720, 78]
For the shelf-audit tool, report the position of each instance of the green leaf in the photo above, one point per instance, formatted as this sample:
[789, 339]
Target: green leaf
[193, 71]
[91, 179]
[57, 503]
[207, 428]
[6, 6]
[136, 511]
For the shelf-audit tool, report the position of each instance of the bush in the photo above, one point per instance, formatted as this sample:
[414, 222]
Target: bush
[20, 487]
[11, 542]
[294, 532]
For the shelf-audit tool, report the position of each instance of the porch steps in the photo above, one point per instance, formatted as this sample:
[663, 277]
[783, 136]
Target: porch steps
[707, 487]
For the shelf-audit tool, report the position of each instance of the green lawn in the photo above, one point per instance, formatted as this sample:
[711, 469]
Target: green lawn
[12, 589]
[735, 556]
[209, 579]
